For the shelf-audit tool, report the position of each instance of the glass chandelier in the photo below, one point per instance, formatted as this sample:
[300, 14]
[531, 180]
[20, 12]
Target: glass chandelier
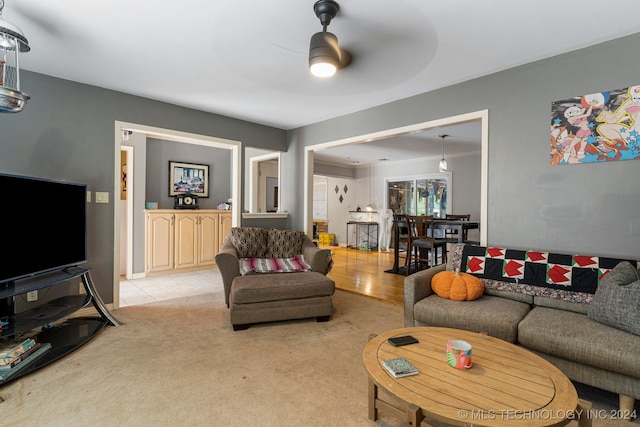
[12, 42]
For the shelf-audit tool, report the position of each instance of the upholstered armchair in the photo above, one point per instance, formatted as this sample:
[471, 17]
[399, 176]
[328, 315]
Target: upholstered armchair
[272, 275]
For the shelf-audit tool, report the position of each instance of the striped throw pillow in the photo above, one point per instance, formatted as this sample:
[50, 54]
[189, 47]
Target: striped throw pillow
[273, 265]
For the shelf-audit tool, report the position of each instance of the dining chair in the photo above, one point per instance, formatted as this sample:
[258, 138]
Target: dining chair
[400, 227]
[423, 248]
[451, 234]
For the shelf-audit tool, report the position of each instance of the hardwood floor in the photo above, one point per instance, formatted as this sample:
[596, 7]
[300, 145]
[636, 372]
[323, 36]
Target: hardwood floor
[363, 272]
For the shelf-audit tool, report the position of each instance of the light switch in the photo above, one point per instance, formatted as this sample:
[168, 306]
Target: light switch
[102, 197]
[88, 196]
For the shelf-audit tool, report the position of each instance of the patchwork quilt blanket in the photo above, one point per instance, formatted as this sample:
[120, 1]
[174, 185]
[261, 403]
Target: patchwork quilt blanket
[568, 277]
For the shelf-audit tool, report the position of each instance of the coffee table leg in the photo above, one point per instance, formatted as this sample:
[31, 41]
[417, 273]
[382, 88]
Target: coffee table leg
[626, 405]
[584, 407]
[414, 416]
[373, 396]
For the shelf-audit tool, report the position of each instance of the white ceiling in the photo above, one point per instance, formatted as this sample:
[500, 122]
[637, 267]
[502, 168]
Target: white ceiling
[249, 59]
[459, 139]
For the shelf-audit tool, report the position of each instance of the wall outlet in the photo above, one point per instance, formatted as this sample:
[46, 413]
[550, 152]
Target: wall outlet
[32, 296]
[102, 197]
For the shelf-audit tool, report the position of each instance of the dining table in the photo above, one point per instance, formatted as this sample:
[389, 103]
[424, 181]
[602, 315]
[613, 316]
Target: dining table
[400, 223]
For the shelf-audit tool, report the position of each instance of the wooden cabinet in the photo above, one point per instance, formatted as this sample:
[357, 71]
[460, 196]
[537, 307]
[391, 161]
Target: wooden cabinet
[186, 240]
[180, 239]
[225, 227]
[159, 241]
[208, 230]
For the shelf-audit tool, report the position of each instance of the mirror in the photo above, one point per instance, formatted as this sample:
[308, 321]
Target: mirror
[263, 181]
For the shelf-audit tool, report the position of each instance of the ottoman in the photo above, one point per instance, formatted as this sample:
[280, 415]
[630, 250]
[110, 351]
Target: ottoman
[268, 297]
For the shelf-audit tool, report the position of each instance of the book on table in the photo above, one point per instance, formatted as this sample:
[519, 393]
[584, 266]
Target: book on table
[400, 367]
[25, 362]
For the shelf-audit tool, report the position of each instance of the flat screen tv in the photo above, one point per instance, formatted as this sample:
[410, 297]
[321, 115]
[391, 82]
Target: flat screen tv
[48, 233]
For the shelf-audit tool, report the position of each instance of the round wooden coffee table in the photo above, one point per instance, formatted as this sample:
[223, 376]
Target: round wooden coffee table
[506, 386]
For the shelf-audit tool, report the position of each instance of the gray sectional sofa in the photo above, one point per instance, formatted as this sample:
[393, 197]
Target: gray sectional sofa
[581, 313]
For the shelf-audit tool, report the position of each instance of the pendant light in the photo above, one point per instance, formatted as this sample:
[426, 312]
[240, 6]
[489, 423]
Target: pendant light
[443, 163]
[12, 42]
[371, 206]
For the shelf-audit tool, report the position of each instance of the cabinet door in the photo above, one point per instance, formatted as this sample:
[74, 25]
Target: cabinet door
[225, 227]
[207, 238]
[186, 240]
[159, 241]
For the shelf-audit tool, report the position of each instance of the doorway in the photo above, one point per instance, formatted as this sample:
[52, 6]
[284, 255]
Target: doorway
[264, 179]
[135, 215]
[482, 116]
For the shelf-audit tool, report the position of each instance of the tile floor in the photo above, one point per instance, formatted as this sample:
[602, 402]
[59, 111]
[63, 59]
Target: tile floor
[145, 291]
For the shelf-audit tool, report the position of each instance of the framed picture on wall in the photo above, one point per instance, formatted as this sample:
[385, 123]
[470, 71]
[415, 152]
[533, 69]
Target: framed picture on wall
[188, 178]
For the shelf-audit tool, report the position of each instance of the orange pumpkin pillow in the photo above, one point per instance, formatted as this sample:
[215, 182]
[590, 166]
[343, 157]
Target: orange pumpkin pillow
[457, 286]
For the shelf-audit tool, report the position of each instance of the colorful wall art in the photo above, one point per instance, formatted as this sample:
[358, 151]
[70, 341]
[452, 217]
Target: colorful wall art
[598, 127]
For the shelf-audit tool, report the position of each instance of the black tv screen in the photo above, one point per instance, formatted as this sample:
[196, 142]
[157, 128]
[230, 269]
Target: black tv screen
[45, 226]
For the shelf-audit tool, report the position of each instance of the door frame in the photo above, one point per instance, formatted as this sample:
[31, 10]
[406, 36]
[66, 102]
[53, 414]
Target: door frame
[129, 211]
[177, 136]
[482, 115]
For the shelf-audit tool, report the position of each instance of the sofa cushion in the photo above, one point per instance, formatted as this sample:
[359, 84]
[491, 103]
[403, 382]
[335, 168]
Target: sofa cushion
[575, 337]
[271, 265]
[561, 304]
[496, 316]
[249, 241]
[257, 288]
[617, 300]
[505, 290]
[284, 243]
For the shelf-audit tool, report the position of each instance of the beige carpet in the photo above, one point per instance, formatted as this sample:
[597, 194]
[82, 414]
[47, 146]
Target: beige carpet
[179, 363]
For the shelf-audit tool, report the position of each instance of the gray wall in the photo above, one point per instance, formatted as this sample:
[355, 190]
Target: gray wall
[67, 132]
[586, 208]
[160, 152]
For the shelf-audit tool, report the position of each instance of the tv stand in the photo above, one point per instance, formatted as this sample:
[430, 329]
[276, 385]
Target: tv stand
[45, 322]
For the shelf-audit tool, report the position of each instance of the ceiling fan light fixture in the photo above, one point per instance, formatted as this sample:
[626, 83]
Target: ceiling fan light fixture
[12, 42]
[324, 54]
